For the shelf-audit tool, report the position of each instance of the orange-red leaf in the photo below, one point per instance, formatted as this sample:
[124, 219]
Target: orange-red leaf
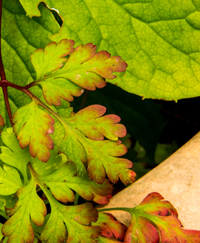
[110, 227]
[156, 220]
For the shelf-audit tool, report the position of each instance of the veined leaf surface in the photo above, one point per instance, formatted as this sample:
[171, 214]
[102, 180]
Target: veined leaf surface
[158, 40]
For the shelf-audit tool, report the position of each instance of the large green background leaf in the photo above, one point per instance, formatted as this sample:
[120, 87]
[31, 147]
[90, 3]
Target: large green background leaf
[158, 39]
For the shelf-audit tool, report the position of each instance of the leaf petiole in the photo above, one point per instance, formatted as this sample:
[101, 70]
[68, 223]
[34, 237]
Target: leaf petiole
[2, 71]
[116, 209]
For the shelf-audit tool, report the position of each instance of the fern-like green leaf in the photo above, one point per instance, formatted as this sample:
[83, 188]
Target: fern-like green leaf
[103, 160]
[10, 180]
[13, 155]
[90, 122]
[44, 169]
[46, 62]
[72, 223]
[64, 180]
[83, 69]
[32, 127]
[44, 65]
[101, 156]
[28, 207]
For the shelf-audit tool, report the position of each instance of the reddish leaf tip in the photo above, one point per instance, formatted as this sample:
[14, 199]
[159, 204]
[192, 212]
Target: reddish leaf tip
[102, 199]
